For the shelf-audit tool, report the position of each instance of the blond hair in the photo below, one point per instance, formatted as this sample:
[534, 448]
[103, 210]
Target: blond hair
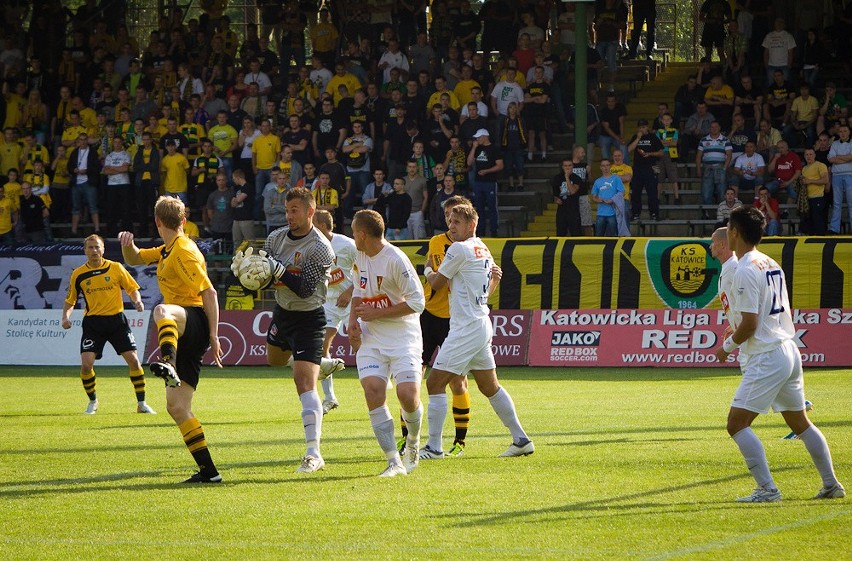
[91, 237]
[170, 211]
[465, 212]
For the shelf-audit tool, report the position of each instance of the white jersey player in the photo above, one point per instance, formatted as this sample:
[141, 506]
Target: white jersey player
[720, 250]
[338, 295]
[770, 361]
[469, 269]
[384, 329]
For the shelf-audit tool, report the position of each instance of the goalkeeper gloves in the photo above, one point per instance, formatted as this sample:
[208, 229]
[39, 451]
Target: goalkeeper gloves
[275, 267]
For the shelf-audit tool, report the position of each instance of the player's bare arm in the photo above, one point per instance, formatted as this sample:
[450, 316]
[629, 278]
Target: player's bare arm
[345, 297]
[128, 249]
[66, 316]
[368, 313]
[136, 298]
[496, 275]
[210, 303]
[354, 329]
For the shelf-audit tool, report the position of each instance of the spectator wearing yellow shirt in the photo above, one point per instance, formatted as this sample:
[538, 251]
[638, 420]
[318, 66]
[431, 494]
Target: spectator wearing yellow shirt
[441, 88]
[622, 170]
[32, 151]
[61, 186]
[173, 168]
[342, 78]
[8, 219]
[325, 195]
[15, 104]
[73, 130]
[719, 98]
[465, 85]
[10, 151]
[13, 188]
[804, 112]
[225, 140]
[814, 179]
[264, 153]
[324, 38]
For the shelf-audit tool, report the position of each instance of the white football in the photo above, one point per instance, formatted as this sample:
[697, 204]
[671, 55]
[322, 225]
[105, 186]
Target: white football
[255, 272]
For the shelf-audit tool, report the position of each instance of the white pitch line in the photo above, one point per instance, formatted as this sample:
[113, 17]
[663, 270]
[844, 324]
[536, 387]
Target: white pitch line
[703, 548]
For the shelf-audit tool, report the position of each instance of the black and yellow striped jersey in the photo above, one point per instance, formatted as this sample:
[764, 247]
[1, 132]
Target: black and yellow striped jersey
[100, 288]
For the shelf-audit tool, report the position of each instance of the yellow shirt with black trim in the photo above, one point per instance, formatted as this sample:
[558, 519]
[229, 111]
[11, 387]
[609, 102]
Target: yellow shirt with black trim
[174, 167]
[326, 197]
[181, 271]
[438, 301]
[37, 152]
[100, 288]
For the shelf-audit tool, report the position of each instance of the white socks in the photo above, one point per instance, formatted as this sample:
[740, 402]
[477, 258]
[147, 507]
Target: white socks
[312, 419]
[328, 388]
[505, 409]
[413, 420]
[818, 449]
[437, 414]
[755, 457]
[382, 422]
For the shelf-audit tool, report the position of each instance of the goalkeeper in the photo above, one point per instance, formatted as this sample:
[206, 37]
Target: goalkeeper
[296, 260]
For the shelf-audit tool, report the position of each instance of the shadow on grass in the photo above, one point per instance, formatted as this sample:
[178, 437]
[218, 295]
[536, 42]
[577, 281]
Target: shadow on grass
[284, 468]
[602, 504]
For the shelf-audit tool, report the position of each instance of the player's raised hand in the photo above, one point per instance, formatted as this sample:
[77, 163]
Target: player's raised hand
[125, 238]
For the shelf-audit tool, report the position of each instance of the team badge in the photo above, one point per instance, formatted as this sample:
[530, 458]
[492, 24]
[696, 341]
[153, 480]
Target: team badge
[362, 282]
[682, 272]
[379, 280]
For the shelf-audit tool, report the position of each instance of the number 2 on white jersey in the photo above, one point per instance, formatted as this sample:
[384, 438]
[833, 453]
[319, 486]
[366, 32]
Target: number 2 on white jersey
[776, 284]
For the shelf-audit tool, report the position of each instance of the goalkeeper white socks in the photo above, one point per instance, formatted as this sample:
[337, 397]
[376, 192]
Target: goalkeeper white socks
[312, 419]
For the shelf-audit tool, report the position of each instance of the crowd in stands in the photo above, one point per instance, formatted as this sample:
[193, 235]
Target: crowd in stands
[369, 106]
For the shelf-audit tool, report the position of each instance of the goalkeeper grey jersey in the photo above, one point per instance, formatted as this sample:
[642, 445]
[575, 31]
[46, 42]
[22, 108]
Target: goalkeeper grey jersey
[310, 258]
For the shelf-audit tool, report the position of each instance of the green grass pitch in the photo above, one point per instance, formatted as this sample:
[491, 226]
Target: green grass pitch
[630, 464]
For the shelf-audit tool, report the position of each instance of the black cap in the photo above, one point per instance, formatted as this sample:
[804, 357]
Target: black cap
[642, 123]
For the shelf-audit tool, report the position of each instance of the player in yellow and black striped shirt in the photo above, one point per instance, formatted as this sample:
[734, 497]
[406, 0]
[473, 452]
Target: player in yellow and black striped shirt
[100, 282]
[435, 324]
[187, 323]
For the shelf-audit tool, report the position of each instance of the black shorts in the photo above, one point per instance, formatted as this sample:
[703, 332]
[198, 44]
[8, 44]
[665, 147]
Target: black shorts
[192, 345]
[300, 332]
[536, 123]
[100, 330]
[435, 330]
[713, 35]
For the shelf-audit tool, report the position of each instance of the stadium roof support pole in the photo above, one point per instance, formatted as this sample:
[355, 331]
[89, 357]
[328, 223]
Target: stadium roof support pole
[581, 82]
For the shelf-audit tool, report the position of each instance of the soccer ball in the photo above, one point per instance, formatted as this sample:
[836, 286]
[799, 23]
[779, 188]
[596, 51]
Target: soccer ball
[255, 272]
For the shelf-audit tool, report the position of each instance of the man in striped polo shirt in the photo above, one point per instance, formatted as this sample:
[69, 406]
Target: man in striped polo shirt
[711, 160]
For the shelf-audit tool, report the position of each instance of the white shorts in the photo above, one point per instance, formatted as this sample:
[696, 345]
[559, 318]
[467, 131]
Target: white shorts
[772, 379]
[335, 316]
[400, 363]
[467, 348]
